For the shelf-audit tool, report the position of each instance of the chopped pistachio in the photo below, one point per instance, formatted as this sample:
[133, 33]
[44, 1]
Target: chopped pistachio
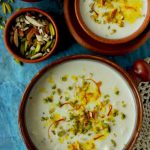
[115, 112]
[53, 92]
[59, 104]
[106, 96]
[54, 86]
[59, 91]
[70, 87]
[61, 133]
[123, 116]
[66, 98]
[113, 31]
[48, 99]
[116, 91]
[113, 142]
[123, 104]
[53, 132]
[52, 110]
[44, 118]
[64, 78]
[108, 129]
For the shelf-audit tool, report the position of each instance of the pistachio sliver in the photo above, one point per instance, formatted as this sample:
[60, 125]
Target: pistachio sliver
[52, 30]
[22, 49]
[53, 42]
[38, 47]
[48, 44]
[16, 42]
[33, 21]
[26, 46]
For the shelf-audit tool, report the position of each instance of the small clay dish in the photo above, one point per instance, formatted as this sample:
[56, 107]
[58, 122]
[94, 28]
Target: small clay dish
[121, 34]
[16, 51]
[103, 48]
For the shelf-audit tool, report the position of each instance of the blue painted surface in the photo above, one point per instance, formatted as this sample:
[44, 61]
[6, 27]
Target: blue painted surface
[14, 78]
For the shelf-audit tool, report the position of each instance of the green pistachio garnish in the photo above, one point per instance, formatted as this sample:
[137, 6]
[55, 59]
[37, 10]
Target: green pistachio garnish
[66, 98]
[61, 133]
[44, 118]
[115, 112]
[116, 91]
[54, 86]
[123, 104]
[64, 78]
[106, 96]
[48, 99]
[123, 116]
[59, 91]
[70, 87]
[113, 142]
[53, 132]
[59, 104]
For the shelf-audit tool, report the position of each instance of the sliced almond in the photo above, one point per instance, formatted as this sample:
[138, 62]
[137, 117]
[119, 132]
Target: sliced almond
[36, 56]
[33, 21]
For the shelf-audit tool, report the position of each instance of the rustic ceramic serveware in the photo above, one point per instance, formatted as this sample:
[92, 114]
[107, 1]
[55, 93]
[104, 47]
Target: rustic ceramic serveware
[107, 49]
[141, 70]
[8, 28]
[111, 41]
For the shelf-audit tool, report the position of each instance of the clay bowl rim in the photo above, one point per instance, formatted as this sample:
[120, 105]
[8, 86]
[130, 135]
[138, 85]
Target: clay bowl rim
[111, 41]
[8, 28]
[23, 104]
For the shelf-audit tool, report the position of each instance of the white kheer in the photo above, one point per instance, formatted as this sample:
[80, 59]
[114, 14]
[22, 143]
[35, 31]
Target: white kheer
[81, 104]
[113, 19]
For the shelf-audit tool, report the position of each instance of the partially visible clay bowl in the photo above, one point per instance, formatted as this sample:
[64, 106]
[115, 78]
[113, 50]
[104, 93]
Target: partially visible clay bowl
[88, 42]
[111, 41]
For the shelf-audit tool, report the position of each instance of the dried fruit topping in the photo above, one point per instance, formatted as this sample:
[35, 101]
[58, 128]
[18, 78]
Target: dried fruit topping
[33, 35]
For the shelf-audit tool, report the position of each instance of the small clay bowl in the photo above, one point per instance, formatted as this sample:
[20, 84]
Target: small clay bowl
[8, 29]
[111, 41]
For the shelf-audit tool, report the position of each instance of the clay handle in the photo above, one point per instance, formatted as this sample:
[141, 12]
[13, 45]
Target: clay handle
[140, 71]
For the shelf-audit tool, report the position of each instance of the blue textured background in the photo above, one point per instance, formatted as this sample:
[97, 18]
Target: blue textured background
[14, 78]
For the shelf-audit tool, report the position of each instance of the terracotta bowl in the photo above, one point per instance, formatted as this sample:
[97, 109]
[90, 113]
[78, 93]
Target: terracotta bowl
[111, 41]
[7, 34]
[140, 69]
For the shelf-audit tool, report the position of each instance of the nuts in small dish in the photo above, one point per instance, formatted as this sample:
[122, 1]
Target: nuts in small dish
[33, 35]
